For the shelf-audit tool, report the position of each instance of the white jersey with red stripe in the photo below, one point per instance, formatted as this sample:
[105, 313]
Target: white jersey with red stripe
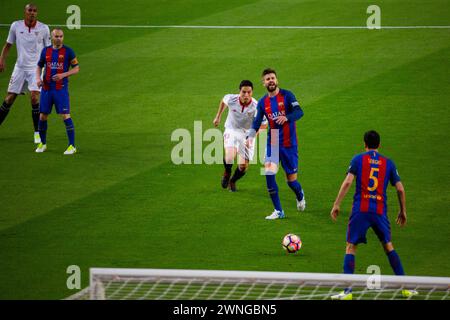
[29, 42]
[240, 117]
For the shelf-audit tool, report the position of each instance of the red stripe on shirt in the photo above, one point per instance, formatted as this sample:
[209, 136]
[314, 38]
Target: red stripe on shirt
[268, 110]
[365, 174]
[380, 188]
[286, 129]
[48, 68]
[60, 68]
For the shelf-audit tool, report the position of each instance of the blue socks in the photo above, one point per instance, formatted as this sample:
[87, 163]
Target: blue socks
[297, 188]
[272, 187]
[395, 262]
[70, 131]
[42, 126]
[349, 264]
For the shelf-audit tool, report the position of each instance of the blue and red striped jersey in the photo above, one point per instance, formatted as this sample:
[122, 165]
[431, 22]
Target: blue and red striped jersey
[373, 172]
[55, 61]
[283, 104]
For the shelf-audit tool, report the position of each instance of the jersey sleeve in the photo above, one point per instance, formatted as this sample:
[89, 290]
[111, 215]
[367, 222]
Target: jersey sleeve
[12, 34]
[354, 166]
[296, 111]
[393, 175]
[226, 99]
[41, 62]
[72, 58]
[47, 37]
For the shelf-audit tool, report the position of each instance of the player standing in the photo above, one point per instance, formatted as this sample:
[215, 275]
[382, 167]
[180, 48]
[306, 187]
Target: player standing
[241, 112]
[282, 110]
[30, 36]
[373, 172]
[57, 60]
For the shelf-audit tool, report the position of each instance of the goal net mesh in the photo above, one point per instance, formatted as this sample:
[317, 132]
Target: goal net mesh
[154, 284]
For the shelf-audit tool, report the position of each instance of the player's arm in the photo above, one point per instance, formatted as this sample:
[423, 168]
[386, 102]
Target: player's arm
[5, 50]
[341, 195]
[75, 68]
[222, 107]
[401, 219]
[296, 111]
[4, 55]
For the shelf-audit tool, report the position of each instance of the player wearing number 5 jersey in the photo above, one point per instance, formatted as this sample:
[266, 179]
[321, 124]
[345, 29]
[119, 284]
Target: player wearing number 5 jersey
[373, 172]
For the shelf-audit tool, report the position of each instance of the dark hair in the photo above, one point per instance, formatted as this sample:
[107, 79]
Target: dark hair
[372, 139]
[268, 71]
[245, 83]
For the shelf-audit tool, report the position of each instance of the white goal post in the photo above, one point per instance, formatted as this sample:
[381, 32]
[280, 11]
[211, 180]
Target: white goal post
[177, 284]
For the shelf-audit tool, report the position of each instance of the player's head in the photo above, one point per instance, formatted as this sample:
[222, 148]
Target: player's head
[372, 139]
[57, 37]
[245, 91]
[30, 12]
[269, 78]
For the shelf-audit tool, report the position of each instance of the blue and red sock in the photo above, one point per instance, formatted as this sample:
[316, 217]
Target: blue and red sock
[272, 187]
[70, 131]
[42, 126]
[395, 262]
[297, 188]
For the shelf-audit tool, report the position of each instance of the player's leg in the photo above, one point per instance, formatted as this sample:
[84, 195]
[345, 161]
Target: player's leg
[42, 127]
[270, 171]
[240, 171]
[45, 108]
[16, 86]
[70, 130]
[34, 92]
[245, 154]
[35, 114]
[228, 159]
[62, 106]
[356, 233]
[6, 105]
[382, 228]
[230, 154]
[289, 161]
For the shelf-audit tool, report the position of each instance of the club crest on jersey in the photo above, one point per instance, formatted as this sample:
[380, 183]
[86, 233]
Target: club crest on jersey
[281, 104]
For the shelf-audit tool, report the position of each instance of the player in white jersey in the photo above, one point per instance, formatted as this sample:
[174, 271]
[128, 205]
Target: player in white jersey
[241, 112]
[30, 37]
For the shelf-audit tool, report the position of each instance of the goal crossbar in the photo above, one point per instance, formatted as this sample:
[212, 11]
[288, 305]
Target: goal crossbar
[124, 283]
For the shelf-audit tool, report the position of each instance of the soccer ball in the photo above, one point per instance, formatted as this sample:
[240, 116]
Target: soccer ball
[291, 243]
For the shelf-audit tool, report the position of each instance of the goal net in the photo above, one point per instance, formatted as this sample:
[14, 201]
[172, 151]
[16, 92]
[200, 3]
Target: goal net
[165, 284]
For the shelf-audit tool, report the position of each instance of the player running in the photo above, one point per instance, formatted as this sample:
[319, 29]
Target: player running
[30, 36]
[282, 110]
[241, 112]
[56, 61]
[372, 172]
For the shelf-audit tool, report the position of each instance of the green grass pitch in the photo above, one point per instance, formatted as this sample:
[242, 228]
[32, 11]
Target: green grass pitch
[120, 202]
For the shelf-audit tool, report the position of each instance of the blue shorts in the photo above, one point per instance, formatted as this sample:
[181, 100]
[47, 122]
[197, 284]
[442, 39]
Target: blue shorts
[59, 98]
[359, 223]
[287, 156]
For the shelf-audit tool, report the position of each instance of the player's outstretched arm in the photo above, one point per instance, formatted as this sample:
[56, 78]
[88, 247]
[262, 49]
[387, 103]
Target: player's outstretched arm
[401, 219]
[4, 55]
[222, 107]
[341, 195]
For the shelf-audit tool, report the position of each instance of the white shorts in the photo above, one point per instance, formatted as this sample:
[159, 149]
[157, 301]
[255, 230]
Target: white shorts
[20, 78]
[236, 139]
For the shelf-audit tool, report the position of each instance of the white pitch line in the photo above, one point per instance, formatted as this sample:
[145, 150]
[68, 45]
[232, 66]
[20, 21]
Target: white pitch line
[237, 27]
